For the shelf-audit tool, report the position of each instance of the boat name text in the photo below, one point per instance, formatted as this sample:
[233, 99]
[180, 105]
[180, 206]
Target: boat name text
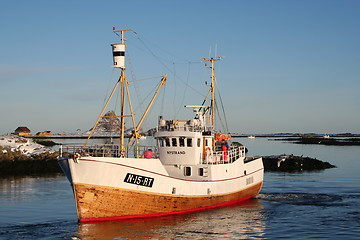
[139, 180]
[175, 152]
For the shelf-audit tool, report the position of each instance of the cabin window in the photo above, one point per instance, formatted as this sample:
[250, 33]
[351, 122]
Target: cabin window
[161, 142]
[181, 142]
[187, 171]
[167, 142]
[189, 142]
[198, 142]
[201, 171]
[174, 142]
[206, 142]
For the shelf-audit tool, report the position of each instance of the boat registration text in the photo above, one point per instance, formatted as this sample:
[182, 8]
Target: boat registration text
[139, 180]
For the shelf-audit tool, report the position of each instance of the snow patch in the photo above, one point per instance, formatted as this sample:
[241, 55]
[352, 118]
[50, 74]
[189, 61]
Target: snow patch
[26, 146]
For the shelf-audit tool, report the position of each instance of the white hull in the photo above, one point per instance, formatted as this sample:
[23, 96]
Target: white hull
[149, 176]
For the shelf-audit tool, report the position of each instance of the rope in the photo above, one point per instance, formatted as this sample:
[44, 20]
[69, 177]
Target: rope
[225, 127]
[174, 98]
[136, 87]
[162, 62]
[186, 86]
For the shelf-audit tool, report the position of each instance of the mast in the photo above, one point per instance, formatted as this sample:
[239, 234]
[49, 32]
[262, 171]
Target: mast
[119, 62]
[212, 89]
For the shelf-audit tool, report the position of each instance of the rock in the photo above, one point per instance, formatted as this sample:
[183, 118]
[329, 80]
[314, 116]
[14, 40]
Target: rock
[45, 163]
[291, 163]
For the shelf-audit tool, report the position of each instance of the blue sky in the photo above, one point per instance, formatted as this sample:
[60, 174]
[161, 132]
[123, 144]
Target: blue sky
[289, 66]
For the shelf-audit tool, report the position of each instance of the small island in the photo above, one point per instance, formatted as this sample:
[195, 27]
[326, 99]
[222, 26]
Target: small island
[291, 163]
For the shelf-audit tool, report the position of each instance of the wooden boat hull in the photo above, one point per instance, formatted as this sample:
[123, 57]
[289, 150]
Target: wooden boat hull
[99, 203]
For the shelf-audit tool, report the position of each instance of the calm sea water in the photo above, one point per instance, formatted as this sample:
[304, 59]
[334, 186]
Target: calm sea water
[308, 205]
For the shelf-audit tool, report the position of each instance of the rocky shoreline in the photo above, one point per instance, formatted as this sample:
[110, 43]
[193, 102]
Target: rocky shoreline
[20, 156]
[40, 165]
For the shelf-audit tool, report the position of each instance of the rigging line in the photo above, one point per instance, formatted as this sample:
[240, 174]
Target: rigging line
[207, 95]
[174, 98]
[222, 105]
[169, 53]
[219, 116]
[141, 48]
[185, 90]
[145, 79]
[136, 87]
[148, 95]
[108, 87]
[156, 87]
[226, 127]
[167, 68]
[153, 54]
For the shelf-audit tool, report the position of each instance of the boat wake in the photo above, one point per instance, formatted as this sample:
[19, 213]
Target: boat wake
[303, 199]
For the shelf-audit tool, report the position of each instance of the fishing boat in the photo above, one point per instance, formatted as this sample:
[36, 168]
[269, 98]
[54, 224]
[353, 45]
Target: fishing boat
[191, 167]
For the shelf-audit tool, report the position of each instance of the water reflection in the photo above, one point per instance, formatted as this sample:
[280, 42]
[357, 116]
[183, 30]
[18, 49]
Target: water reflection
[15, 189]
[238, 221]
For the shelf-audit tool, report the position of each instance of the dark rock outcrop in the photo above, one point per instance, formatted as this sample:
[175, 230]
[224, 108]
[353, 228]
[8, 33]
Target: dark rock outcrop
[41, 164]
[291, 163]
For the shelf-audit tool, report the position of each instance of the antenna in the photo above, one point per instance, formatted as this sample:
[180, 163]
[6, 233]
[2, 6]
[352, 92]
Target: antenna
[122, 32]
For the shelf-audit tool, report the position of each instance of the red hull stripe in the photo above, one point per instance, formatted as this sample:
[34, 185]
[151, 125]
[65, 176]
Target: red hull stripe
[153, 215]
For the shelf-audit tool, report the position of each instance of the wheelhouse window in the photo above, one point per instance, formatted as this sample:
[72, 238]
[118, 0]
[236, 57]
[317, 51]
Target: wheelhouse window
[161, 142]
[189, 142]
[198, 142]
[167, 142]
[181, 142]
[174, 142]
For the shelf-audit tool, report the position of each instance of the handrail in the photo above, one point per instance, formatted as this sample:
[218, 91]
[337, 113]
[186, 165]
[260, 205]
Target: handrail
[104, 150]
[224, 157]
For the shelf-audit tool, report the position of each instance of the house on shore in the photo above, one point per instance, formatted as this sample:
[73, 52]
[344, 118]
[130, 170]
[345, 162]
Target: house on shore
[22, 131]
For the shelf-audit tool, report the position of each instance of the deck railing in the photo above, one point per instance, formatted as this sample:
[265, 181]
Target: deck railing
[223, 157]
[105, 150]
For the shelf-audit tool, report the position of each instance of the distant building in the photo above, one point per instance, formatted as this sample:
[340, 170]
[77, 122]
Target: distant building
[45, 133]
[22, 131]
